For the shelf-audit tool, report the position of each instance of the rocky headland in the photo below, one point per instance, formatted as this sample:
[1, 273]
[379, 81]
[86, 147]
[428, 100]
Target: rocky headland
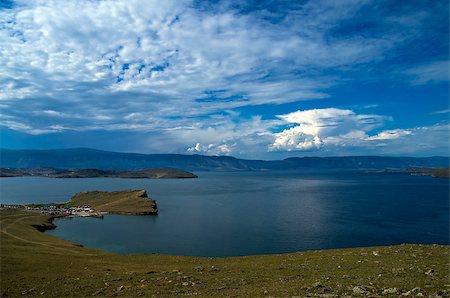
[432, 172]
[130, 202]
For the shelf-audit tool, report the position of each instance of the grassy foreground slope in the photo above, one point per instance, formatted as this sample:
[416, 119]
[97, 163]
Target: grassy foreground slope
[36, 264]
[122, 202]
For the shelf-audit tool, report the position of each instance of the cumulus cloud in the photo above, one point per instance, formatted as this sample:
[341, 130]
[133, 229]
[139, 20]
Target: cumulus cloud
[211, 149]
[343, 132]
[294, 139]
[318, 127]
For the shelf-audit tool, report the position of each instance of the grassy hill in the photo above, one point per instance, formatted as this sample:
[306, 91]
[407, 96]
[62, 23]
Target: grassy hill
[37, 264]
[122, 202]
[437, 173]
[441, 173]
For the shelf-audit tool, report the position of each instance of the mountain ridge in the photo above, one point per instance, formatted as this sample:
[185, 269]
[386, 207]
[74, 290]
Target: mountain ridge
[107, 160]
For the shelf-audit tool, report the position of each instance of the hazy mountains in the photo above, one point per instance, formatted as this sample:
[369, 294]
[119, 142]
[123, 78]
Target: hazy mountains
[105, 160]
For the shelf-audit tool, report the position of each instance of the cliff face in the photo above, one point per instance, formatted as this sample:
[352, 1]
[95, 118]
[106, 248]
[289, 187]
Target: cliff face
[131, 202]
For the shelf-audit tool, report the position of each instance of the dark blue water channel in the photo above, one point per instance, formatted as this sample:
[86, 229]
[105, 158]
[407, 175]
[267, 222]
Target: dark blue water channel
[229, 214]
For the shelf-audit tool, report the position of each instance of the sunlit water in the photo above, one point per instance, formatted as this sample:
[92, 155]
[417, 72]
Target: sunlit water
[228, 214]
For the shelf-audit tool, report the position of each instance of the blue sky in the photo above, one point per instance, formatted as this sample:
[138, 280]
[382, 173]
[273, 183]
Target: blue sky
[252, 79]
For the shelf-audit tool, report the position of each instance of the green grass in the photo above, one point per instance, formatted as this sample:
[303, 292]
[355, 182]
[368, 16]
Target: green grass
[125, 202]
[37, 264]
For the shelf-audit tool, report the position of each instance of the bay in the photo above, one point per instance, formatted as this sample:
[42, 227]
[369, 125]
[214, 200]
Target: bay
[248, 213]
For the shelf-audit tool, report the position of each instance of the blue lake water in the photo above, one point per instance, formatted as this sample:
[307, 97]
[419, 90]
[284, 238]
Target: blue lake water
[229, 214]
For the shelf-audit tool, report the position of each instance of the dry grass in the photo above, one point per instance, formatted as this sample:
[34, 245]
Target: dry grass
[124, 202]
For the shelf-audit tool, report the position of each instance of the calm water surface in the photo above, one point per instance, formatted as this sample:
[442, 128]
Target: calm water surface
[228, 214]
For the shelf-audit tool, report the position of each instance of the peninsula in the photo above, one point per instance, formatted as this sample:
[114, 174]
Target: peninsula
[131, 202]
[96, 204]
[432, 172]
[151, 173]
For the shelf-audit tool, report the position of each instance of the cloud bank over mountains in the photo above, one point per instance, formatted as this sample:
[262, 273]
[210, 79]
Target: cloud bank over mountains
[211, 78]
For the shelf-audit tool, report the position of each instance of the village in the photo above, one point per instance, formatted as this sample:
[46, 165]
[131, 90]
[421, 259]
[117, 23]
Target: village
[59, 210]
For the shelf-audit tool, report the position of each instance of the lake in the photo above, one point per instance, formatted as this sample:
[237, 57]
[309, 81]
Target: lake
[248, 213]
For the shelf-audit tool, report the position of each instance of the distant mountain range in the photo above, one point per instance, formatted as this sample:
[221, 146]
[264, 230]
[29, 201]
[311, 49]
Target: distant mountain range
[82, 158]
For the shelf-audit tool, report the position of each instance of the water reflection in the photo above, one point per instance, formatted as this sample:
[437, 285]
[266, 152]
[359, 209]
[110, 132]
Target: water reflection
[222, 214]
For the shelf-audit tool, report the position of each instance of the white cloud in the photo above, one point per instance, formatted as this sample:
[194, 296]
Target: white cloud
[168, 57]
[211, 149]
[318, 127]
[23, 127]
[433, 72]
[444, 111]
[51, 113]
[103, 117]
[420, 141]
[390, 134]
[343, 132]
[12, 90]
[168, 69]
[294, 139]
[226, 135]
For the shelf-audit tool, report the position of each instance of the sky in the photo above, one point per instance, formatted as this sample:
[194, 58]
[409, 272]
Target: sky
[253, 79]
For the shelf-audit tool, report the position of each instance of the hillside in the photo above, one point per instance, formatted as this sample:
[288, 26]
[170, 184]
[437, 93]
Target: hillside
[133, 202]
[37, 264]
[441, 173]
[95, 173]
[432, 172]
[104, 160]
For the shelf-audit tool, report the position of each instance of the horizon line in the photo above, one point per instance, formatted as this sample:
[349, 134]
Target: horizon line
[229, 156]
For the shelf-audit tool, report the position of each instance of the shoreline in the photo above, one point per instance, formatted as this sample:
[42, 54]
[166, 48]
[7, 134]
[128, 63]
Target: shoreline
[46, 172]
[50, 225]
[36, 263]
